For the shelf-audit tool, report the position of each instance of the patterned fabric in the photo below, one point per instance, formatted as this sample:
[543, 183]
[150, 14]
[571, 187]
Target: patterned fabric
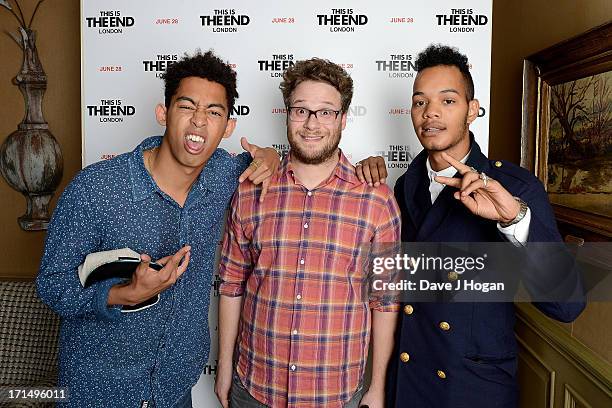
[296, 259]
[114, 359]
[28, 340]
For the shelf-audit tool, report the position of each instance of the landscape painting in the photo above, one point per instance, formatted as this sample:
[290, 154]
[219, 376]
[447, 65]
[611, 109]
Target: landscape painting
[579, 161]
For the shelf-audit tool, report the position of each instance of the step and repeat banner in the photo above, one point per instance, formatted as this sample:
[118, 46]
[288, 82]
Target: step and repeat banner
[127, 45]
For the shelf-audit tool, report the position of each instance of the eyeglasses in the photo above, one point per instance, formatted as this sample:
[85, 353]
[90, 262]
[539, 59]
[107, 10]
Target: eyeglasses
[324, 116]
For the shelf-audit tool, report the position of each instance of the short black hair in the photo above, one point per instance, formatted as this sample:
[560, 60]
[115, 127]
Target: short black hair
[438, 54]
[206, 66]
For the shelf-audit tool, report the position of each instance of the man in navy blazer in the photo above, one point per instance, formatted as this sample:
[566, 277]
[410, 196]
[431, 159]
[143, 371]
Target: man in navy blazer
[462, 354]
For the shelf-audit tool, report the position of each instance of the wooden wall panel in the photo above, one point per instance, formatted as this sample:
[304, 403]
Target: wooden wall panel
[556, 370]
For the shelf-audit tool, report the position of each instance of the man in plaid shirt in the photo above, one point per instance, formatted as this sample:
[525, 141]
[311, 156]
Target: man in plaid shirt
[291, 295]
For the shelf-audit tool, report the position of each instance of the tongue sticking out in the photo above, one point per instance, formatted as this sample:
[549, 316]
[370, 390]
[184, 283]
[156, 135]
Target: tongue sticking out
[194, 143]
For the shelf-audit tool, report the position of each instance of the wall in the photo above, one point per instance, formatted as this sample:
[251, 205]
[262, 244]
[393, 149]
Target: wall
[58, 43]
[521, 28]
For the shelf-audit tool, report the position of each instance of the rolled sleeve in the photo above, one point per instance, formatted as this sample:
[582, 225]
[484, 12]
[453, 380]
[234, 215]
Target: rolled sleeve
[384, 305]
[389, 223]
[386, 242]
[231, 289]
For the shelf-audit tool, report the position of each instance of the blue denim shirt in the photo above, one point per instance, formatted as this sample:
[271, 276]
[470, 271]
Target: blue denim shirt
[113, 359]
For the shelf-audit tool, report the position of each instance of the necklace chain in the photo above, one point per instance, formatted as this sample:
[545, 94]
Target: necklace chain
[150, 159]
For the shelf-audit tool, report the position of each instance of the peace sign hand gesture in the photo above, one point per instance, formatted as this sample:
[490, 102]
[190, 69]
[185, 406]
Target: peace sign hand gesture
[482, 195]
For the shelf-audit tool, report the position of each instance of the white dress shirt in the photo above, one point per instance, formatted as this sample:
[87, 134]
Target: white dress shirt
[516, 233]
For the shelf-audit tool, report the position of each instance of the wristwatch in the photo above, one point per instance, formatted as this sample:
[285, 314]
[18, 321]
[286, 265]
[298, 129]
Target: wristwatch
[519, 216]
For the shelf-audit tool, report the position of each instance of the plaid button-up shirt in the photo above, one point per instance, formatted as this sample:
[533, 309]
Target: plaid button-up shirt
[297, 260]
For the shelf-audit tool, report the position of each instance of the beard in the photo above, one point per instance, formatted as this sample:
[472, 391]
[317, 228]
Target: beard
[314, 157]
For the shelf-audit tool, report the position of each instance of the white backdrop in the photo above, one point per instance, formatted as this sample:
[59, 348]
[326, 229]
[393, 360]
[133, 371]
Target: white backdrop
[127, 44]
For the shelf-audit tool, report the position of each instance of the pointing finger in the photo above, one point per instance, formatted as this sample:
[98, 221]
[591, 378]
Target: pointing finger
[460, 167]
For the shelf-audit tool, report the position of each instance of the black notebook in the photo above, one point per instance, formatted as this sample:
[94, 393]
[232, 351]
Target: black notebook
[118, 263]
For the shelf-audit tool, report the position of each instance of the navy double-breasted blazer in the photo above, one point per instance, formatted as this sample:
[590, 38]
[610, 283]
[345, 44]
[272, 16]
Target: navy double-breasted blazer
[463, 354]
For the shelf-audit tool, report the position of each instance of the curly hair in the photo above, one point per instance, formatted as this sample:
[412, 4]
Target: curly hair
[438, 54]
[321, 70]
[206, 66]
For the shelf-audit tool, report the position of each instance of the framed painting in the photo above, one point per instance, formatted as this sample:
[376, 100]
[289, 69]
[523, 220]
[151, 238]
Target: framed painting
[567, 127]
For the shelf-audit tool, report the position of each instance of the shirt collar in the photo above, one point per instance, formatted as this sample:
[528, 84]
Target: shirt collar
[344, 169]
[143, 184]
[447, 172]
